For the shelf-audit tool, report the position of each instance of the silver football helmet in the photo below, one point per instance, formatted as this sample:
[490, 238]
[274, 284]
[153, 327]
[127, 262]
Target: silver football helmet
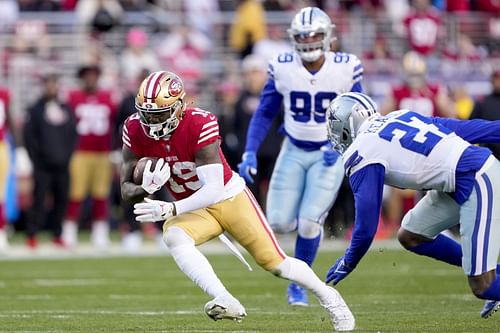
[345, 115]
[311, 33]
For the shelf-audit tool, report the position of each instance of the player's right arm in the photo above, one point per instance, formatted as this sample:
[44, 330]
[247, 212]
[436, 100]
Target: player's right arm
[367, 185]
[129, 190]
[262, 119]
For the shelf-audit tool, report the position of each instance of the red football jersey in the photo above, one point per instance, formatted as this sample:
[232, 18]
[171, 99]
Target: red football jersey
[197, 129]
[422, 31]
[95, 115]
[4, 108]
[422, 100]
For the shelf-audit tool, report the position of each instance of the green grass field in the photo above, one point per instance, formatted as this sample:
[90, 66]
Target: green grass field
[391, 291]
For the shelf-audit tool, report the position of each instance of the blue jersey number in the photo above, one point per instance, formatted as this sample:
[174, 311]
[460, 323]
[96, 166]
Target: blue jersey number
[301, 102]
[433, 134]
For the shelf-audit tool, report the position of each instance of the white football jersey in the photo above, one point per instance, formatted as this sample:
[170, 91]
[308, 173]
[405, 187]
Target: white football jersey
[415, 152]
[306, 96]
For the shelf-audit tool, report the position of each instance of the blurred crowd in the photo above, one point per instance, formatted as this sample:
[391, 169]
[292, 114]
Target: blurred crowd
[70, 70]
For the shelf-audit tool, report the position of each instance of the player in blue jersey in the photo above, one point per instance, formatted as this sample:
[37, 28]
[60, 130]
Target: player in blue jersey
[308, 173]
[407, 150]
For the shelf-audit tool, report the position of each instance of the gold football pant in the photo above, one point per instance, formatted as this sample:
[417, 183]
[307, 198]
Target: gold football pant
[242, 217]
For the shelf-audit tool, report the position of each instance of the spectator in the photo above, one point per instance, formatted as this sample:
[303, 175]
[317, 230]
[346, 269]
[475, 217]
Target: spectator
[418, 94]
[458, 6]
[248, 27]
[9, 12]
[490, 6]
[274, 44]
[99, 15]
[254, 77]
[423, 27]
[90, 168]
[202, 15]
[183, 51]
[50, 137]
[5, 125]
[463, 102]
[379, 59]
[489, 107]
[464, 58]
[137, 56]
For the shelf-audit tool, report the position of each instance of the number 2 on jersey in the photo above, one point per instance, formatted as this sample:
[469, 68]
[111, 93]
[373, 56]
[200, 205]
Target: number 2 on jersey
[300, 105]
[432, 133]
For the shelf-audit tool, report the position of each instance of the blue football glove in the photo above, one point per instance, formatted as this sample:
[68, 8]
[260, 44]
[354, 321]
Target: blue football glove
[338, 271]
[330, 155]
[248, 166]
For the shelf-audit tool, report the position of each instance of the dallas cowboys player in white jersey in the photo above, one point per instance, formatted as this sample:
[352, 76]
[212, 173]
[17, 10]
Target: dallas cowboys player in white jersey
[307, 174]
[407, 150]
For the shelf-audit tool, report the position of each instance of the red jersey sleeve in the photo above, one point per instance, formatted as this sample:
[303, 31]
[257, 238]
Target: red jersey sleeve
[204, 129]
[131, 134]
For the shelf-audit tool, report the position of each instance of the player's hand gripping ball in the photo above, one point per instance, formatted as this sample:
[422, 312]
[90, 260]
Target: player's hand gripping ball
[151, 173]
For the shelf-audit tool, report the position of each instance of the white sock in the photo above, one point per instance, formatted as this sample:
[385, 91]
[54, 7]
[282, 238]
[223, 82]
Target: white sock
[193, 263]
[299, 272]
[99, 235]
[70, 233]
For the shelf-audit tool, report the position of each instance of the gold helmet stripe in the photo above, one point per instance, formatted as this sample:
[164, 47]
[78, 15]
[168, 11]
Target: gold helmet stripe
[152, 86]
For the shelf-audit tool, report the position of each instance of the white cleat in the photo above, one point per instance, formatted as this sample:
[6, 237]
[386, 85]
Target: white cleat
[225, 307]
[340, 315]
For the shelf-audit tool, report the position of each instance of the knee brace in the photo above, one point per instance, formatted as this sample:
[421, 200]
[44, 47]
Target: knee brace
[175, 236]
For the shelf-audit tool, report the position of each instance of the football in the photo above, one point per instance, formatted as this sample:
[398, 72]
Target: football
[139, 168]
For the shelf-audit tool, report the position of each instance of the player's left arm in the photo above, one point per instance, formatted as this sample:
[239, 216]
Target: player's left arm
[367, 185]
[474, 130]
[210, 172]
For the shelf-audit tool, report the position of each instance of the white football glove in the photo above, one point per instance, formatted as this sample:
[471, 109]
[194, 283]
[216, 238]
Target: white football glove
[152, 181]
[153, 210]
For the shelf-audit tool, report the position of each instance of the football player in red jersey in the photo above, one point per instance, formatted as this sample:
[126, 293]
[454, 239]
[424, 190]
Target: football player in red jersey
[423, 27]
[209, 197]
[429, 99]
[4, 164]
[91, 169]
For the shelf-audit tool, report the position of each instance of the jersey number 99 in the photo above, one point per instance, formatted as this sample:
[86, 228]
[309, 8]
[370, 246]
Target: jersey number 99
[305, 107]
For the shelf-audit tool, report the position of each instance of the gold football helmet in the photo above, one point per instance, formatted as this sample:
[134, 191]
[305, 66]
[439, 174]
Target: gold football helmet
[415, 69]
[160, 103]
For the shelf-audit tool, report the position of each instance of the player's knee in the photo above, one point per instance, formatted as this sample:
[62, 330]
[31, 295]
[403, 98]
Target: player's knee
[175, 236]
[280, 224]
[308, 229]
[408, 239]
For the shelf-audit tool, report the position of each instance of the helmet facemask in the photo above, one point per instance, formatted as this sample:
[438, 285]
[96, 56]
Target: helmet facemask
[311, 33]
[160, 104]
[161, 122]
[345, 115]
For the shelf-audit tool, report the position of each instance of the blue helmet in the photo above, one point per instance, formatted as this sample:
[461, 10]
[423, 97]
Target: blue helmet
[311, 22]
[345, 115]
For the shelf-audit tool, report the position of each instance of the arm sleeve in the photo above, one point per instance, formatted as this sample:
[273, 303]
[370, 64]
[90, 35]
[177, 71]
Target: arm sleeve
[211, 191]
[367, 185]
[262, 119]
[473, 131]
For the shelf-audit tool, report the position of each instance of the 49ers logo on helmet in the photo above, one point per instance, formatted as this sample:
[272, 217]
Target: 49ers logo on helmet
[175, 88]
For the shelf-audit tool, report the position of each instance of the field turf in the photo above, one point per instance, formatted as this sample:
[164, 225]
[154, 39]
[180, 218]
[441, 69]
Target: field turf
[390, 291]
